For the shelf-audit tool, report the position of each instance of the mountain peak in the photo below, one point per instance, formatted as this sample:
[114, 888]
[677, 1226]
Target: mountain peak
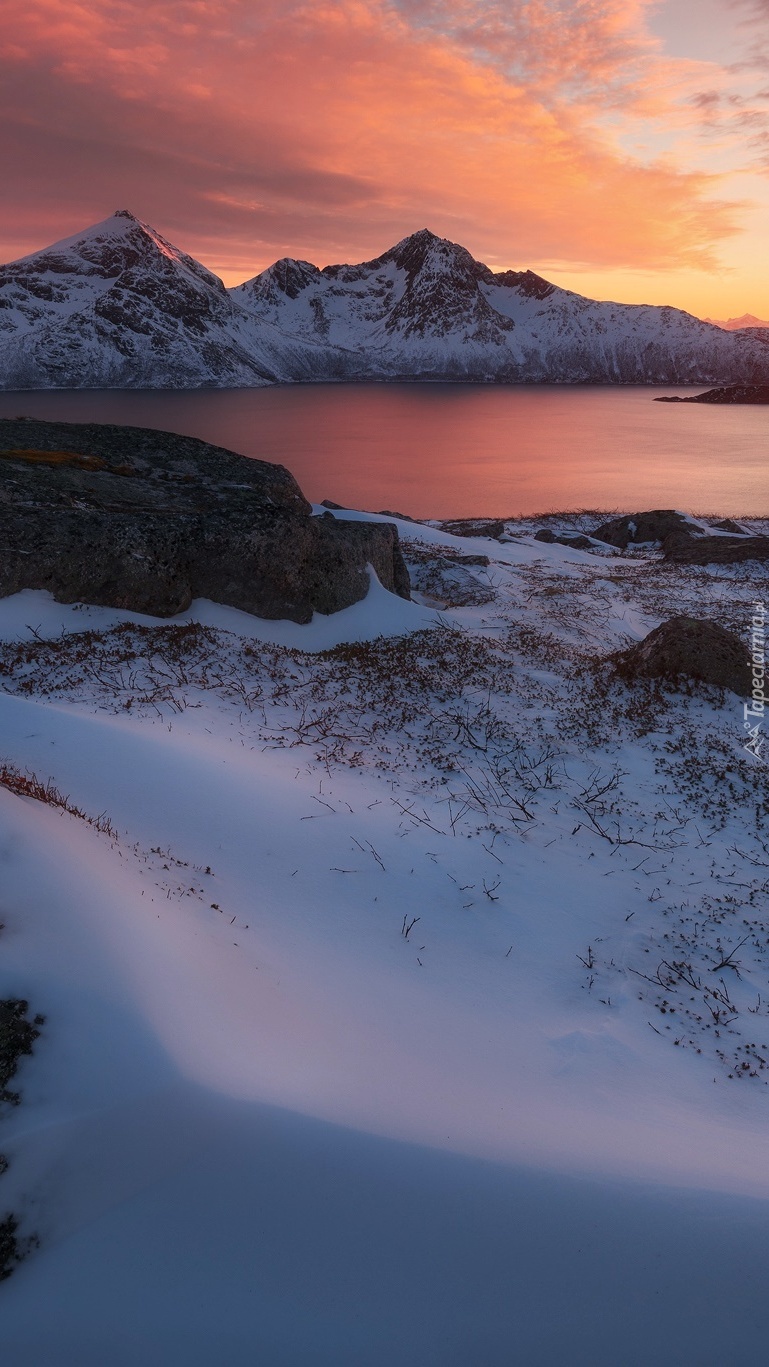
[422, 242]
[117, 244]
[119, 305]
[422, 235]
[747, 320]
[286, 278]
[425, 251]
[528, 283]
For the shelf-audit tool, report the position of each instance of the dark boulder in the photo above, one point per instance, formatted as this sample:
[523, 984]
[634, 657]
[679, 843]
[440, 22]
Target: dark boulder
[381, 512]
[134, 518]
[717, 550]
[402, 517]
[482, 561]
[577, 543]
[659, 525]
[573, 539]
[476, 526]
[727, 524]
[686, 646]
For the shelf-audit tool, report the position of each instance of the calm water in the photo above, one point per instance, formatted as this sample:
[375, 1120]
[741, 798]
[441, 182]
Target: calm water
[463, 450]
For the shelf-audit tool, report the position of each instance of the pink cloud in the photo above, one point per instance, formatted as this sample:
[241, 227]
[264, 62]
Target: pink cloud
[328, 130]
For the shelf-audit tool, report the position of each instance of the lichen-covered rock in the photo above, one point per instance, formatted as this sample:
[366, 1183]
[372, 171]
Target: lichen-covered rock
[693, 648]
[134, 518]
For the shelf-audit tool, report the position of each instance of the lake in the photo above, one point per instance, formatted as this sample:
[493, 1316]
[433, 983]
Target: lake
[454, 450]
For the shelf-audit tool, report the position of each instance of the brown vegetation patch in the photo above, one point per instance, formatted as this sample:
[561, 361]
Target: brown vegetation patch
[55, 458]
[72, 458]
[29, 785]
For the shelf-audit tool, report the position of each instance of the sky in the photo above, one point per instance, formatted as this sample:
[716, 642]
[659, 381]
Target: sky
[618, 147]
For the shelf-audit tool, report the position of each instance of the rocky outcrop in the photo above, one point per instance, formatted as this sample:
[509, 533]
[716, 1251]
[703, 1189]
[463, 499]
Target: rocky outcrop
[731, 393]
[662, 525]
[684, 542]
[445, 581]
[146, 520]
[573, 539]
[694, 649]
[475, 526]
[728, 524]
[717, 550]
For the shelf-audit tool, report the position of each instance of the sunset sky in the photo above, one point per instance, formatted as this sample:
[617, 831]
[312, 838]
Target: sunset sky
[619, 147]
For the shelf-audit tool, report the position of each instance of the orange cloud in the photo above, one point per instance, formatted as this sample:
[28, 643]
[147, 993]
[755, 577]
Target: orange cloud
[252, 130]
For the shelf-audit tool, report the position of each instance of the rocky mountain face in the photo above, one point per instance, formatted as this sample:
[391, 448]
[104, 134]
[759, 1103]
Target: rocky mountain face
[120, 306]
[134, 518]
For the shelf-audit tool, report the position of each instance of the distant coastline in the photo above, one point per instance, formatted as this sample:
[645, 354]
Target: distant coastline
[733, 393]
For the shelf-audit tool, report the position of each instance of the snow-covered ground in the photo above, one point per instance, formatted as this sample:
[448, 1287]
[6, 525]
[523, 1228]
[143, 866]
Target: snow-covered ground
[408, 1003]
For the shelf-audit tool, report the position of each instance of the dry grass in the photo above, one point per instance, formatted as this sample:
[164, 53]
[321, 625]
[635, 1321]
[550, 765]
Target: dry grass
[27, 784]
[516, 727]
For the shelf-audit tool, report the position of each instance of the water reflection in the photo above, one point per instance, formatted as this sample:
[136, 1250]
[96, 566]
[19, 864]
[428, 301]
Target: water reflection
[435, 450]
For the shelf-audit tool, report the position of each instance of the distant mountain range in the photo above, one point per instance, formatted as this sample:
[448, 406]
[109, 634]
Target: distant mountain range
[748, 320]
[119, 306]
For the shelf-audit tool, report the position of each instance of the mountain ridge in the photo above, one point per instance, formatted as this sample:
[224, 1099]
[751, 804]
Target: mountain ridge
[746, 320]
[118, 305]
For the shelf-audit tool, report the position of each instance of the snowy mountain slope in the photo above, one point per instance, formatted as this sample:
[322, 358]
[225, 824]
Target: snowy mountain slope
[119, 306]
[265, 1118]
[427, 309]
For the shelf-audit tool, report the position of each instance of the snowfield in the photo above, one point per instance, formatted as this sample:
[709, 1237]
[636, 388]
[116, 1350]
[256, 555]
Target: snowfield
[406, 992]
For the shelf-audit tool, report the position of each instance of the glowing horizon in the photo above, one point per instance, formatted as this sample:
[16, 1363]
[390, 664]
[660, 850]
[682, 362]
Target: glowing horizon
[618, 147]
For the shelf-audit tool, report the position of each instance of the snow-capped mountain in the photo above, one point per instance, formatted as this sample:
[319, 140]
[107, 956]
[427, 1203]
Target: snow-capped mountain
[119, 306]
[426, 309]
[746, 320]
